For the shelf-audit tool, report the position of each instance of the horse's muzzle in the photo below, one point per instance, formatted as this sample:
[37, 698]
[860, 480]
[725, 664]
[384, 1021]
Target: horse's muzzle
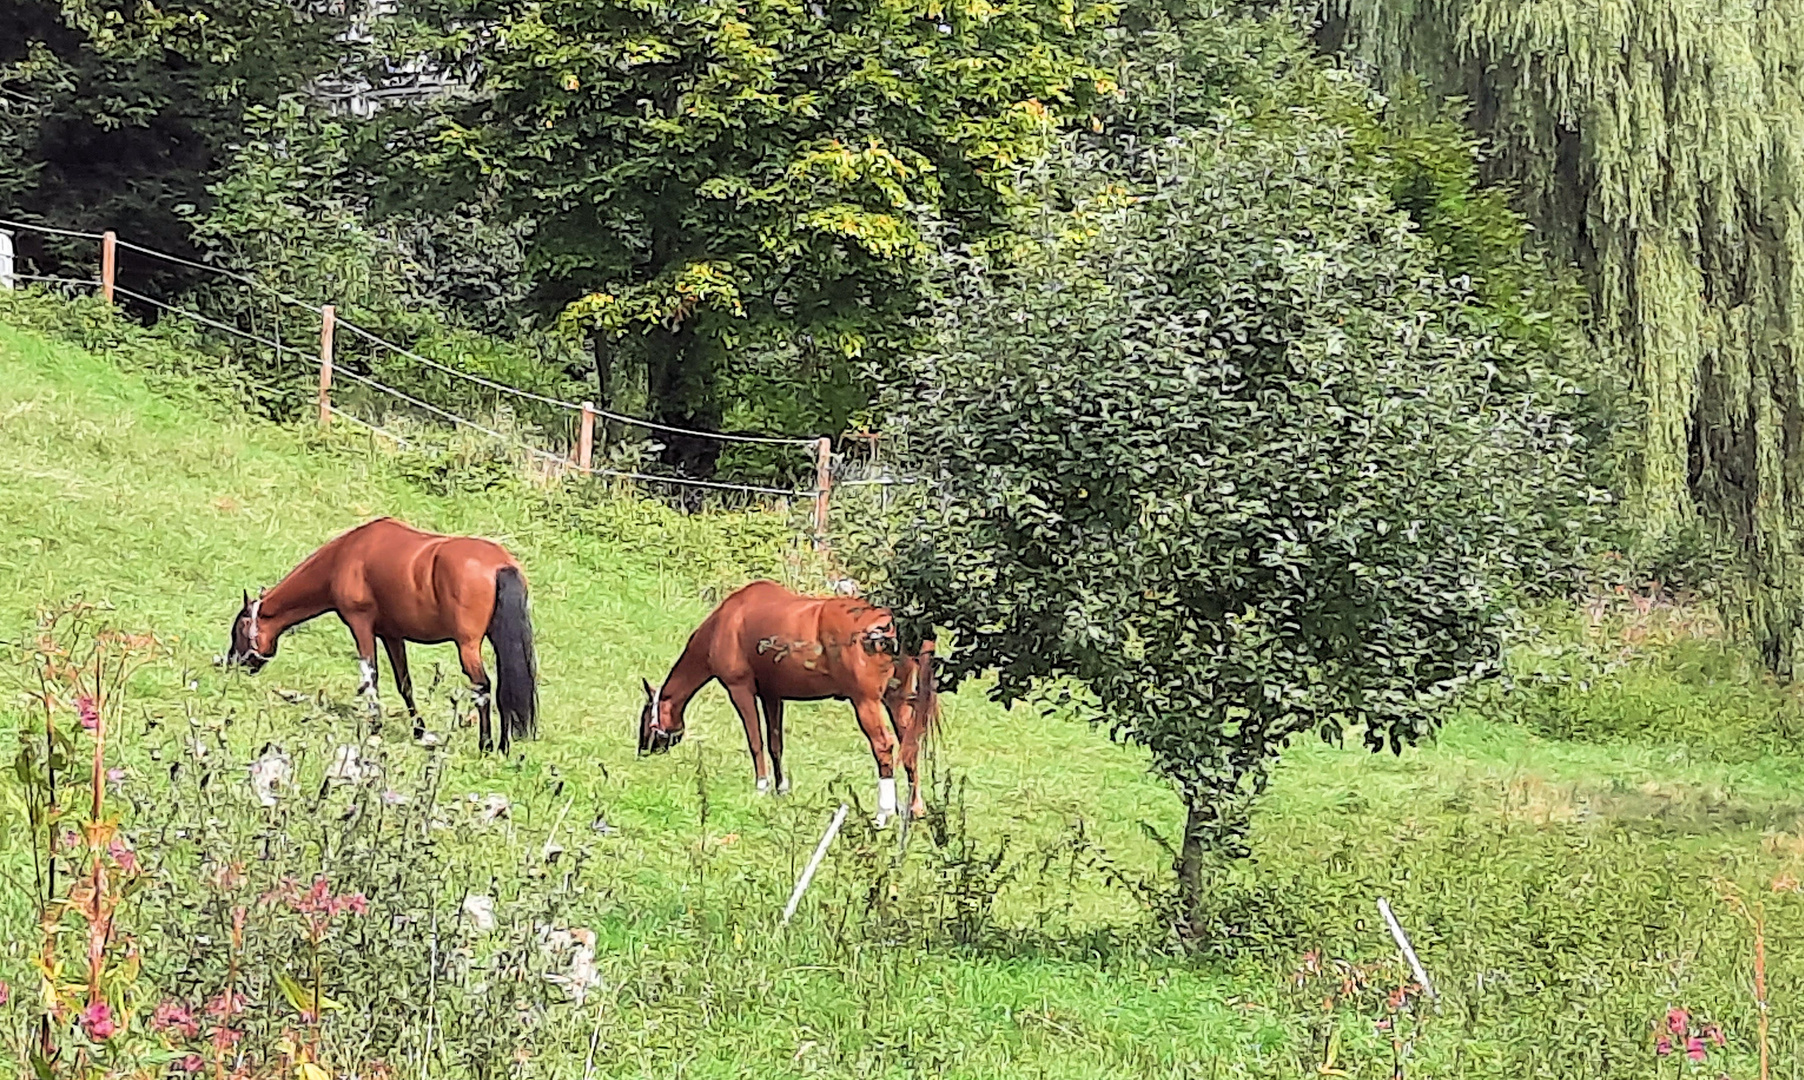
[658, 741]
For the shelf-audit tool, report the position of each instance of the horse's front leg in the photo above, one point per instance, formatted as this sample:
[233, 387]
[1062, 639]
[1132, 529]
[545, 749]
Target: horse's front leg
[773, 738]
[745, 702]
[883, 748]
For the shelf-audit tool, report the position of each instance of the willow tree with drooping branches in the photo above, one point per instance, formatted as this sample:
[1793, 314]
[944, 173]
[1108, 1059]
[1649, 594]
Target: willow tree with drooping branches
[1658, 145]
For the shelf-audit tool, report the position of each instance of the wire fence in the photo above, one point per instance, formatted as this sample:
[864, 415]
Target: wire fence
[336, 368]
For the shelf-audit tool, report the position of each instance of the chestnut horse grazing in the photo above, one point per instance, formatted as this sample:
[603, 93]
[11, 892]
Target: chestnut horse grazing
[768, 645]
[396, 584]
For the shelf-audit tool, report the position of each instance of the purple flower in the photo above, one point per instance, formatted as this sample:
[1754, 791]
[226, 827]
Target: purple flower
[97, 1021]
[89, 711]
[1663, 1045]
[1694, 1049]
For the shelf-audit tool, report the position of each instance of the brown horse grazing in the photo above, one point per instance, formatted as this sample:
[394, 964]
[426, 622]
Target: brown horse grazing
[396, 584]
[768, 645]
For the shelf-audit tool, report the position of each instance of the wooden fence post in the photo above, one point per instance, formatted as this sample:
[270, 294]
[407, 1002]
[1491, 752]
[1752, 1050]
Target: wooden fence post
[109, 262]
[585, 437]
[328, 322]
[823, 483]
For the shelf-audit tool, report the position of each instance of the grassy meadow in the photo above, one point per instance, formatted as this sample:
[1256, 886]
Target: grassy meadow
[1560, 856]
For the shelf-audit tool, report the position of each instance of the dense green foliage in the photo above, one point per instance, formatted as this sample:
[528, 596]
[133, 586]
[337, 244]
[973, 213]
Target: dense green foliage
[711, 182]
[1658, 147]
[1230, 454]
[119, 115]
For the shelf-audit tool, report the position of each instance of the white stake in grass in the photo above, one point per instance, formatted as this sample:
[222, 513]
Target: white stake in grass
[820, 852]
[1409, 954]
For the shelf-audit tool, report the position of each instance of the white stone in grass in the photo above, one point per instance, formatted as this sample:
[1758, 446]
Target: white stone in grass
[490, 807]
[579, 974]
[479, 912]
[348, 766]
[270, 773]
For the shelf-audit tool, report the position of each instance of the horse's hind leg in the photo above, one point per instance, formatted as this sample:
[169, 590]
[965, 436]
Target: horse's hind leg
[745, 702]
[773, 738]
[469, 654]
[397, 666]
[883, 748]
[905, 717]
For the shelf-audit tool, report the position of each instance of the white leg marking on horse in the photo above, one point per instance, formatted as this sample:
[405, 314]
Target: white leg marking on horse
[367, 669]
[783, 788]
[886, 799]
[481, 696]
[764, 785]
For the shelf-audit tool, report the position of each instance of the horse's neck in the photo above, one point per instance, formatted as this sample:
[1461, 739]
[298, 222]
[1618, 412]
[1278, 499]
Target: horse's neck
[685, 680]
[304, 594]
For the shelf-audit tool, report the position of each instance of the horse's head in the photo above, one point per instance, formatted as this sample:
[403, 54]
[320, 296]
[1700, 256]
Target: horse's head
[658, 728]
[252, 645]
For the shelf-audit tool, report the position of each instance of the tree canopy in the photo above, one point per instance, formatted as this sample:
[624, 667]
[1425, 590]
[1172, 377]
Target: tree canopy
[706, 175]
[1659, 147]
[1223, 457]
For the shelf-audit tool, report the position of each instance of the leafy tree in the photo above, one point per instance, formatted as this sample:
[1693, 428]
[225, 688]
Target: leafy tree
[713, 180]
[1223, 459]
[116, 113]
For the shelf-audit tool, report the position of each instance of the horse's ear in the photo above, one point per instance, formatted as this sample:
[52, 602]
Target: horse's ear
[247, 599]
[649, 692]
[262, 591]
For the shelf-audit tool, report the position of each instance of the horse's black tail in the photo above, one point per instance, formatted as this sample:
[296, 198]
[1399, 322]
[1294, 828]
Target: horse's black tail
[516, 667]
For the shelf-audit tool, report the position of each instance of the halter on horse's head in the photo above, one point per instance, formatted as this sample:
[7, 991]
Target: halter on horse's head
[247, 648]
[658, 728]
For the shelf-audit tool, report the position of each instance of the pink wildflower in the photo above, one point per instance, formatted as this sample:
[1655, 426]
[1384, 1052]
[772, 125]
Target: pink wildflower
[6, 993]
[226, 1004]
[1678, 1021]
[1714, 1033]
[190, 1064]
[1663, 1045]
[123, 855]
[174, 1017]
[89, 711]
[97, 1021]
[116, 777]
[354, 903]
[225, 1038]
[1695, 1050]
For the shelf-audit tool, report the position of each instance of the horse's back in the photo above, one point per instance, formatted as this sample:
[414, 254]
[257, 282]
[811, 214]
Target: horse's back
[422, 585]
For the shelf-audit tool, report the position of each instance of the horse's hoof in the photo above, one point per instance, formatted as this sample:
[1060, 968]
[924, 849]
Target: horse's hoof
[763, 786]
[783, 788]
[881, 820]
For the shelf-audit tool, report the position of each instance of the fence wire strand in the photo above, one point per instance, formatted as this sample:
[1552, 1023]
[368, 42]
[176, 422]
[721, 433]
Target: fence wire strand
[214, 323]
[242, 279]
[51, 279]
[280, 349]
[606, 414]
[50, 229]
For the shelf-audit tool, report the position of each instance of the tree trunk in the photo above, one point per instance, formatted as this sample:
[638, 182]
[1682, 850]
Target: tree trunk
[603, 351]
[679, 387]
[1190, 867]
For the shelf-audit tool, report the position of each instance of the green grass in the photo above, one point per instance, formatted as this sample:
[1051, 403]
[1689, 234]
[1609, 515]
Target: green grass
[1560, 892]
